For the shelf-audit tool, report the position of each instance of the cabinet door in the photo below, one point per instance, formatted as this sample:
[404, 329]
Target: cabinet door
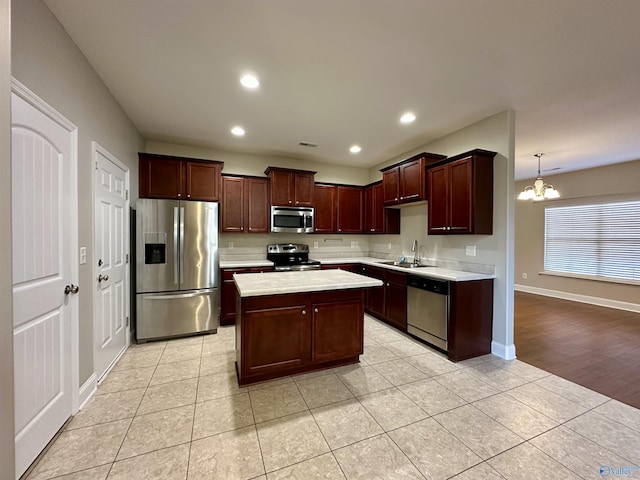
[437, 179]
[232, 218]
[281, 188]
[337, 330]
[412, 181]
[303, 189]
[374, 296]
[460, 215]
[391, 186]
[349, 210]
[202, 181]
[325, 210]
[374, 212]
[257, 205]
[161, 178]
[275, 339]
[396, 304]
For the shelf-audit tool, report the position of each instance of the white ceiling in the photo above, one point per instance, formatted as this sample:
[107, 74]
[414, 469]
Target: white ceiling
[339, 72]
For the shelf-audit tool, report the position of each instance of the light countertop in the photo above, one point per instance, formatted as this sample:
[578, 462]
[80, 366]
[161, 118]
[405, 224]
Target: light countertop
[274, 283]
[431, 272]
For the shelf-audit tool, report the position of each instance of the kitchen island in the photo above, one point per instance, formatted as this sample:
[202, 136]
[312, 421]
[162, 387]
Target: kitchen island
[294, 322]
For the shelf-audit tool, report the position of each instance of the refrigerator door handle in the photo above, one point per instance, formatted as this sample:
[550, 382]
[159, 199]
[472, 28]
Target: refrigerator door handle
[175, 245]
[155, 296]
[181, 245]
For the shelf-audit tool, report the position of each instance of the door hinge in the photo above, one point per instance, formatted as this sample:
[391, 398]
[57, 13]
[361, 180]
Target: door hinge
[127, 321]
[96, 165]
[126, 258]
[126, 194]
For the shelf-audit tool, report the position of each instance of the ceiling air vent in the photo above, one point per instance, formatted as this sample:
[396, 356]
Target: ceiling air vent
[308, 144]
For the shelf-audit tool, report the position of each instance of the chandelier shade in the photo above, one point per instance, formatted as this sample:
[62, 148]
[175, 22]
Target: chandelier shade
[539, 190]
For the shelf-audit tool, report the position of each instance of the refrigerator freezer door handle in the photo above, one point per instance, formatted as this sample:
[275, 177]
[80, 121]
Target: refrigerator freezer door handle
[155, 296]
[175, 245]
[181, 245]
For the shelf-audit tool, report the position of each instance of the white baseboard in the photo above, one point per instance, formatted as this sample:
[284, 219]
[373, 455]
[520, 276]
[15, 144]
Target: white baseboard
[508, 352]
[602, 302]
[87, 390]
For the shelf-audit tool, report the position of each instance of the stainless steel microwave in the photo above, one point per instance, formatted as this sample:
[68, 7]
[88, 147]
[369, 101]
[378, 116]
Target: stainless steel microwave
[292, 219]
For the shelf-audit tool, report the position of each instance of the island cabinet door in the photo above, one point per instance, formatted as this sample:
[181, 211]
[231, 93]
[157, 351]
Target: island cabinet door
[275, 334]
[337, 325]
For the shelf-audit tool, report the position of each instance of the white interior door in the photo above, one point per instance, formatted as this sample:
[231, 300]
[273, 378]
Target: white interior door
[111, 332]
[44, 216]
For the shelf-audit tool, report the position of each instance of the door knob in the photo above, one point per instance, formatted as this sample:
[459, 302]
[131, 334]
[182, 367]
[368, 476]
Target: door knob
[71, 289]
[103, 277]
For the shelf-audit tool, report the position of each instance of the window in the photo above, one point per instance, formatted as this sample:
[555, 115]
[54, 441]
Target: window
[601, 240]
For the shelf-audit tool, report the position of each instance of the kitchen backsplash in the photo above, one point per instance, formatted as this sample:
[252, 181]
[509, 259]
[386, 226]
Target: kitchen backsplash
[234, 247]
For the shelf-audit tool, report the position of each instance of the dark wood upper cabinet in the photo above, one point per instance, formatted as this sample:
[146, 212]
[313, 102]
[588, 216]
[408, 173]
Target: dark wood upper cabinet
[245, 205]
[291, 188]
[405, 182]
[180, 178]
[377, 218]
[460, 193]
[325, 209]
[349, 208]
[257, 204]
[232, 205]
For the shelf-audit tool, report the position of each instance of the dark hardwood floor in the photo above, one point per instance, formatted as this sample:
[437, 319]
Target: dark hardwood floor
[596, 347]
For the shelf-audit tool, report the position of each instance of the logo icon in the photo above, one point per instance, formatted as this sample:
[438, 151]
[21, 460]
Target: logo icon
[605, 470]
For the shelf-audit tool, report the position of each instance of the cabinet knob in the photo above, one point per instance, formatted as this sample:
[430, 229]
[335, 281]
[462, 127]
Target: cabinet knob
[401, 198]
[387, 284]
[179, 194]
[315, 310]
[188, 195]
[304, 312]
[289, 201]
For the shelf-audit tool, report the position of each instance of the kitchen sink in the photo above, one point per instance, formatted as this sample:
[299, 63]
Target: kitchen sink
[405, 264]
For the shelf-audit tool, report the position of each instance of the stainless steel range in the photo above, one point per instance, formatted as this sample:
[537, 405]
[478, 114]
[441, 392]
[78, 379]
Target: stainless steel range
[291, 256]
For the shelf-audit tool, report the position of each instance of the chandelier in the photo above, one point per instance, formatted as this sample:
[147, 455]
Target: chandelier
[539, 190]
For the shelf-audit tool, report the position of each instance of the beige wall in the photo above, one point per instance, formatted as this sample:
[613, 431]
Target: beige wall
[496, 133]
[7, 452]
[45, 60]
[613, 182]
[250, 164]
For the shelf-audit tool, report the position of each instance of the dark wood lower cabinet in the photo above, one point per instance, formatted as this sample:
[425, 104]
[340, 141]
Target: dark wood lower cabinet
[336, 326]
[278, 335]
[470, 319]
[388, 302]
[228, 292]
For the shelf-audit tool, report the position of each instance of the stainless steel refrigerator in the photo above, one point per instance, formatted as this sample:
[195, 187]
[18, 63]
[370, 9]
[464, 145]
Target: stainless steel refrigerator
[176, 268]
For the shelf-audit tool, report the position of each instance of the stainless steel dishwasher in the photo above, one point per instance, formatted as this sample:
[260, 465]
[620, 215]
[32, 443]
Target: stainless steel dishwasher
[428, 309]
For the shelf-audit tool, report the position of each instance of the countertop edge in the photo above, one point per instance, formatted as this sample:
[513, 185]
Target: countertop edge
[431, 272]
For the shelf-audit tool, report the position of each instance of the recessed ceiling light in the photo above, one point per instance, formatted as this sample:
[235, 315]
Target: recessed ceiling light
[237, 131]
[407, 117]
[355, 149]
[249, 81]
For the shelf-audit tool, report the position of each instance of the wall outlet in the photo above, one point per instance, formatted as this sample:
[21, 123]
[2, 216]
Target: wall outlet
[354, 244]
[389, 245]
[315, 244]
[524, 275]
[471, 250]
[230, 245]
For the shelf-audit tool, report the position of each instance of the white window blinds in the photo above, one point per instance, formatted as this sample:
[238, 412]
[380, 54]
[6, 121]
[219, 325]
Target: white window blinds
[600, 239]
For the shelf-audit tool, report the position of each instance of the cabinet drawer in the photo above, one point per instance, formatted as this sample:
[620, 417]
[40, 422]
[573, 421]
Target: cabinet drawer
[395, 277]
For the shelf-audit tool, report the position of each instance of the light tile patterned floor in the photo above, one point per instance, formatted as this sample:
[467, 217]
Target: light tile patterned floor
[173, 410]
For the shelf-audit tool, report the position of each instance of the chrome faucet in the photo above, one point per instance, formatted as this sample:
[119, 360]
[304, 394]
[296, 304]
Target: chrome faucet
[416, 253]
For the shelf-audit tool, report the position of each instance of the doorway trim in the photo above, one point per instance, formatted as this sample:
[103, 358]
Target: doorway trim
[96, 149]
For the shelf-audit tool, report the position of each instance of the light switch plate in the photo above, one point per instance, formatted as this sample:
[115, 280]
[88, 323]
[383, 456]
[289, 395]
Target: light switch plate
[471, 250]
[83, 255]
[230, 245]
[315, 244]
